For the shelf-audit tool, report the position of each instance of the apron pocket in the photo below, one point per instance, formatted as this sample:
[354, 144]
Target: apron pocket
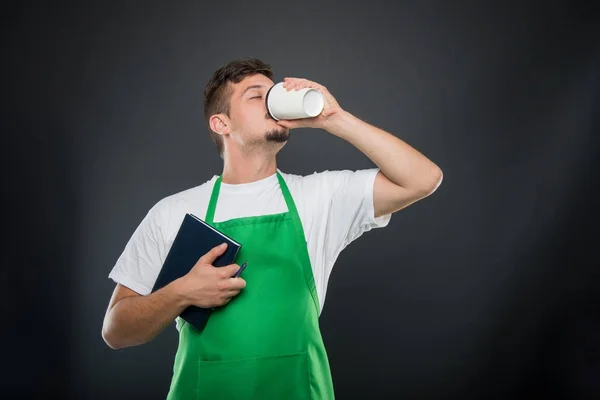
[278, 377]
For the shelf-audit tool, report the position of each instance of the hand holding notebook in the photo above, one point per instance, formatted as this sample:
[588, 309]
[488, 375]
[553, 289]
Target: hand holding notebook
[208, 287]
[196, 241]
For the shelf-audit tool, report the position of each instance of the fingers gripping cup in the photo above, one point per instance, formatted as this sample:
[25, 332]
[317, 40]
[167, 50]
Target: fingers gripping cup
[294, 104]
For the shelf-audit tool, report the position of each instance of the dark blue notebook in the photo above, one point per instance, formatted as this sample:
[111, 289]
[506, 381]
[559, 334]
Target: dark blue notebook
[194, 239]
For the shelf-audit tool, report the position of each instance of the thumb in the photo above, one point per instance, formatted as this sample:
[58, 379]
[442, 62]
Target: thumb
[212, 255]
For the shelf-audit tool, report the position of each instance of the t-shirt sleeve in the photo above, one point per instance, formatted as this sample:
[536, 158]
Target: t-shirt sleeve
[351, 211]
[139, 264]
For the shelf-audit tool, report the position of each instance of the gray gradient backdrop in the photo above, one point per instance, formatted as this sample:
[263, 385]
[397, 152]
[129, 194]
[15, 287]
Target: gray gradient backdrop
[486, 289]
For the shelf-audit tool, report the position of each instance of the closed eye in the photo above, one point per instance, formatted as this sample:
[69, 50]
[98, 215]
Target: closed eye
[256, 97]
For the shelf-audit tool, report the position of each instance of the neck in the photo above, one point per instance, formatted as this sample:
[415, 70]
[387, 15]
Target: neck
[250, 168]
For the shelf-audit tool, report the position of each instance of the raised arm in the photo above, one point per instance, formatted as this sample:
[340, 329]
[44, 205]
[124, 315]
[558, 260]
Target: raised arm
[405, 174]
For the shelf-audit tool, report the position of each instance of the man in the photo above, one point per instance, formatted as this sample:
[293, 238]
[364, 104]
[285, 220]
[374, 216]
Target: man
[263, 340]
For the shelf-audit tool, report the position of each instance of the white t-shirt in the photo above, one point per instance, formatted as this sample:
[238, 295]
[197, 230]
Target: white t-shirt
[335, 208]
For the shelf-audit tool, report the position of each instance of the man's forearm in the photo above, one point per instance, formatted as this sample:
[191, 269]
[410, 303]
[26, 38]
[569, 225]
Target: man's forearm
[397, 160]
[137, 320]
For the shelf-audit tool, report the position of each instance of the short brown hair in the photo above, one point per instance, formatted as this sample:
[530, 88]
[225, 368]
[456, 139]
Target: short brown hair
[217, 94]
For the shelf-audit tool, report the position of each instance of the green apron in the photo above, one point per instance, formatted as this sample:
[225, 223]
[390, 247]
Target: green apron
[265, 343]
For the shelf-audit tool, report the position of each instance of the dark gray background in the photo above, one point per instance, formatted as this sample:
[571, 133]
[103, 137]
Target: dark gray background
[486, 289]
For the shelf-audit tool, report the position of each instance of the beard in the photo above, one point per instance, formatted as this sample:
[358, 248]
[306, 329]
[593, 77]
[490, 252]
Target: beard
[277, 135]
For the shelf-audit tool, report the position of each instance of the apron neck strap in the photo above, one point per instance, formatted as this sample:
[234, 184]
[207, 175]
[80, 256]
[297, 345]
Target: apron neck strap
[287, 195]
[289, 200]
[212, 204]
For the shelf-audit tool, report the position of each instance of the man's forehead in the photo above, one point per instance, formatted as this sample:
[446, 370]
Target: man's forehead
[253, 81]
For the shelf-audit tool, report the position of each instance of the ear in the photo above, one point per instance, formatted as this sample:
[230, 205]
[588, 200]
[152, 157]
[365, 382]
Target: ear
[219, 123]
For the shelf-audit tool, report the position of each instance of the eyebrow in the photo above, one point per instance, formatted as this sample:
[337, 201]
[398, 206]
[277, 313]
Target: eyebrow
[252, 87]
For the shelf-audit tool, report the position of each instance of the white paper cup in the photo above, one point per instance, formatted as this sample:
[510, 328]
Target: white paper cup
[294, 104]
